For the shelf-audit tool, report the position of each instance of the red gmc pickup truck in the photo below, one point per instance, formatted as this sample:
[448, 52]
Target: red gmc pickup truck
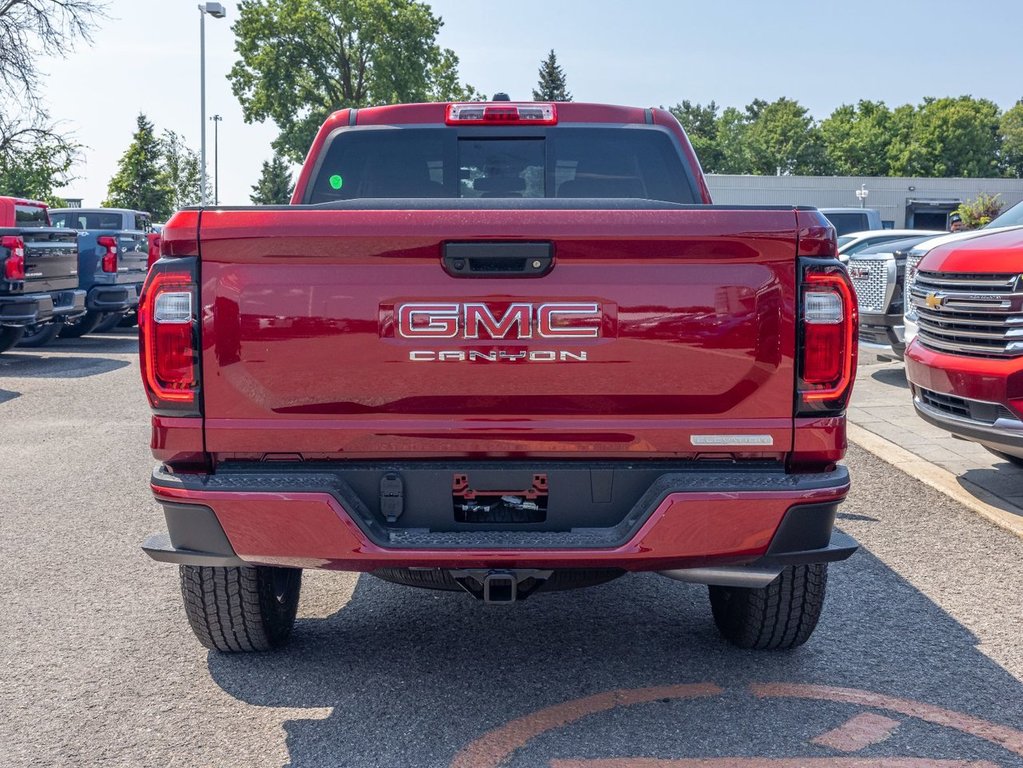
[502, 348]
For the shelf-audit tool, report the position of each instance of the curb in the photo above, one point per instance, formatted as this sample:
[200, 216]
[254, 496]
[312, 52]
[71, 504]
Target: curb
[992, 508]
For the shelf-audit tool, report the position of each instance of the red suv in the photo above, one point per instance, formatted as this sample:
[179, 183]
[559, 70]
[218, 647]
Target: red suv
[965, 366]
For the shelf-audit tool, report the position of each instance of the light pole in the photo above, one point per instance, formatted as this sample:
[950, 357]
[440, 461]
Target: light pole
[862, 193]
[217, 11]
[216, 166]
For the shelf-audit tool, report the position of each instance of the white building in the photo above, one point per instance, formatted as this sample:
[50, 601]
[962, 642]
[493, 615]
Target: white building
[904, 202]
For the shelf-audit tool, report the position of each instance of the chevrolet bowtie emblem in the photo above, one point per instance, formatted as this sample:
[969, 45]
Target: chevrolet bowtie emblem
[934, 301]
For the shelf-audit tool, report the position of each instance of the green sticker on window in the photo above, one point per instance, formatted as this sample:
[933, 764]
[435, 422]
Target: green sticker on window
[336, 181]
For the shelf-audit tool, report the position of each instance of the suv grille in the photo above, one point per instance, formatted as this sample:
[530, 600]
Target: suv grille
[963, 408]
[980, 315]
[870, 280]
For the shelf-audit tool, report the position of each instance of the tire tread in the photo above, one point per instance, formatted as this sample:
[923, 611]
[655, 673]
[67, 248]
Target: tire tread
[235, 610]
[781, 615]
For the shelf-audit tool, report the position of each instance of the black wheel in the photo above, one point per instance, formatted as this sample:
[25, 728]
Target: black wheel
[129, 319]
[779, 616]
[78, 327]
[9, 336]
[241, 609]
[108, 323]
[39, 335]
[1015, 460]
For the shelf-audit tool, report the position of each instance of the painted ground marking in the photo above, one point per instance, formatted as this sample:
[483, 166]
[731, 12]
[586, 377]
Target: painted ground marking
[496, 746]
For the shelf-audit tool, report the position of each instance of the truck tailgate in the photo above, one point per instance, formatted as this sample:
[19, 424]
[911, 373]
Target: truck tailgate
[51, 259]
[343, 334]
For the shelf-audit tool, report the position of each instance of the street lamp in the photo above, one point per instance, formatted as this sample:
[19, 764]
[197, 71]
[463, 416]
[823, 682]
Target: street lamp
[862, 193]
[217, 11]
[216, 165]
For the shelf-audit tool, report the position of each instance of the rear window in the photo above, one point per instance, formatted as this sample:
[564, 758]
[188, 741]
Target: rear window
[848, 222]
[29, 216]
[83, 220]
[564, 162]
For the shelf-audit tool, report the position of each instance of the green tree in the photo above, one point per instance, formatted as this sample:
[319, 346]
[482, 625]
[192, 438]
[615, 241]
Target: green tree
[783, 137]
[182, 171]
[952, 137]
[701, 125]
[901, 148]
[274, 186]
[141, 179]
[37, 166]
[1010, 128]
[551, 86]
[978, 213]
[856, 139]
[40, 28]
[300, 60]
[732, 146]
[36, 157]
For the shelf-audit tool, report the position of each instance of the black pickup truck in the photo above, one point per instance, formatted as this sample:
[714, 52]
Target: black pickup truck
[38, 274]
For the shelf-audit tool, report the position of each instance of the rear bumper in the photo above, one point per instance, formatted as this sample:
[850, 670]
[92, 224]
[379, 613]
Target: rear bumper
[33, 308]
[68, 303]
[113, 298]
[21, 310]
[883, 334]
[685, 520]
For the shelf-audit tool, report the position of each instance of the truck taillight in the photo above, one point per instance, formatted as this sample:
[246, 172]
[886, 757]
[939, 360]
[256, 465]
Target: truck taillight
[502, 113]
[829, 329]
[109, 258]
[169, 340]
[14, 263]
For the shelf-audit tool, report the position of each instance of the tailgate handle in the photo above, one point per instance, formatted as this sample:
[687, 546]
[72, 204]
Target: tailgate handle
[490, 259]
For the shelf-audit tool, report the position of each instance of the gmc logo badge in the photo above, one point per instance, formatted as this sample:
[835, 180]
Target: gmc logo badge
[859, 273]
[519, 320]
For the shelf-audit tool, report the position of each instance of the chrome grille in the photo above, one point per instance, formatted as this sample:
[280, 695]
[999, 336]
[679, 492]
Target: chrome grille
[979, 315]
[870, 279]
[912, 260]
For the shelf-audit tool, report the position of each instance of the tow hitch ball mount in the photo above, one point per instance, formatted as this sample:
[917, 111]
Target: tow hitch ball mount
[497, 587]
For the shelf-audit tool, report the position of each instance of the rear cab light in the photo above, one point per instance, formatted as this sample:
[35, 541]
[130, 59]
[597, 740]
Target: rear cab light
[502, 113]
[108, 260]
[14, 260]
[169, 337]
[828, 326]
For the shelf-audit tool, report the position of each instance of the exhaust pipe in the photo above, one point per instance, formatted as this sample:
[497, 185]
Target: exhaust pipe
[750, 577]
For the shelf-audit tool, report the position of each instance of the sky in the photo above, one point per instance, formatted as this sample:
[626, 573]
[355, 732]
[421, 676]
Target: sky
[145, 57]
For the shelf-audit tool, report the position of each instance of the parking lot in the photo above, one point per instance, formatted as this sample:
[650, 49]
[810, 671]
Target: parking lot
[917, 662]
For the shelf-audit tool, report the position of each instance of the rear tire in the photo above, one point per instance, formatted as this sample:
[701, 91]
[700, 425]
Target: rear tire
[780, 616]
[9, 336]
[79, 326]
[241, 609]
[40, 335]
[108, 323]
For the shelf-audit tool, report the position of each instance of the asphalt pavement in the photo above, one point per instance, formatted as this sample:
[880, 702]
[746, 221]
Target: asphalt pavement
[918, 660]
